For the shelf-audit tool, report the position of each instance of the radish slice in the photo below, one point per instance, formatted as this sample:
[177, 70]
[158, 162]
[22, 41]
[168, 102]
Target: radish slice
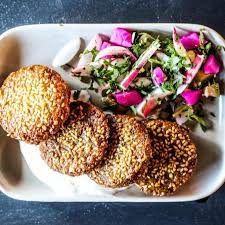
[151, 101]
[67, 52]
[128, 98]
[191, 73]
[139, 64]
[191, 97]
[181, 51]
[96, 42]
[115, 51]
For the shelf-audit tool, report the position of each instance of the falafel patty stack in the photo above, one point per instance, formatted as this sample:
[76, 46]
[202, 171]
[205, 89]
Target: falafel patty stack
[34, 103]
[81, 144]
[173, 161]
[129, 149]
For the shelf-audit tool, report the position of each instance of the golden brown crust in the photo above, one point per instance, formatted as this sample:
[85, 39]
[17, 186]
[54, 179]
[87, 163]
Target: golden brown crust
[81, 144]
[34, 103]
[129, 148]
[173, 161]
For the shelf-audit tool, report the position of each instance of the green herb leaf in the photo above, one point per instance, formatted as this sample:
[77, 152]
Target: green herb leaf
[133, 109]
[200, 120]
[110, 72]
[201, 37]
[138, 49]
[94, 52]
[220, 47]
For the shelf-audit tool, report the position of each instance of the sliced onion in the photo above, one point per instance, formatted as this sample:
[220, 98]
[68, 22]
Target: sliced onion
[181, 51]
[115, 51]
[96, 42]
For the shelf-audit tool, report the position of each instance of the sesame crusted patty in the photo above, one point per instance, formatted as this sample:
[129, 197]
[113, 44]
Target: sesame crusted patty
[173, 161]
[81, 144]
[34, 103]
[129, 148]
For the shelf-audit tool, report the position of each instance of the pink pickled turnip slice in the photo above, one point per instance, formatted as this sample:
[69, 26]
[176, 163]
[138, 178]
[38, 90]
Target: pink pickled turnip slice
[191, 97]
[121, 37]
[115, 51]
[151, 101]
[128, 98]
[96, 42]
[162, 56]
[191, 40]
[181, 51]
[211, 65]
[191, 73]
[158, 76]
[139, 64]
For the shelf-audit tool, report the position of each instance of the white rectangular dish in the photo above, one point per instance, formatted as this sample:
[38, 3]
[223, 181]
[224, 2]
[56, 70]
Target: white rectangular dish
[38, 44]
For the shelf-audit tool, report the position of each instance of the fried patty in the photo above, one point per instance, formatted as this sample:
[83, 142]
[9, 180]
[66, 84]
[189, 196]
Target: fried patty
[81, 144]
[173, 160]
[129, 148]
[34, 103]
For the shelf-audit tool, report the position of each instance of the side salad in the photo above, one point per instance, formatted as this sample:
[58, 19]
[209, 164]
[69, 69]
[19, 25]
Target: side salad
[151, 76]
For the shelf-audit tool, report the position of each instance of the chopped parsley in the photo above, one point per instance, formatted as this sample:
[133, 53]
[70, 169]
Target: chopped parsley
[141, 42]
[110, 72]
[220, 47]
[205, 46]
[94, 52]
